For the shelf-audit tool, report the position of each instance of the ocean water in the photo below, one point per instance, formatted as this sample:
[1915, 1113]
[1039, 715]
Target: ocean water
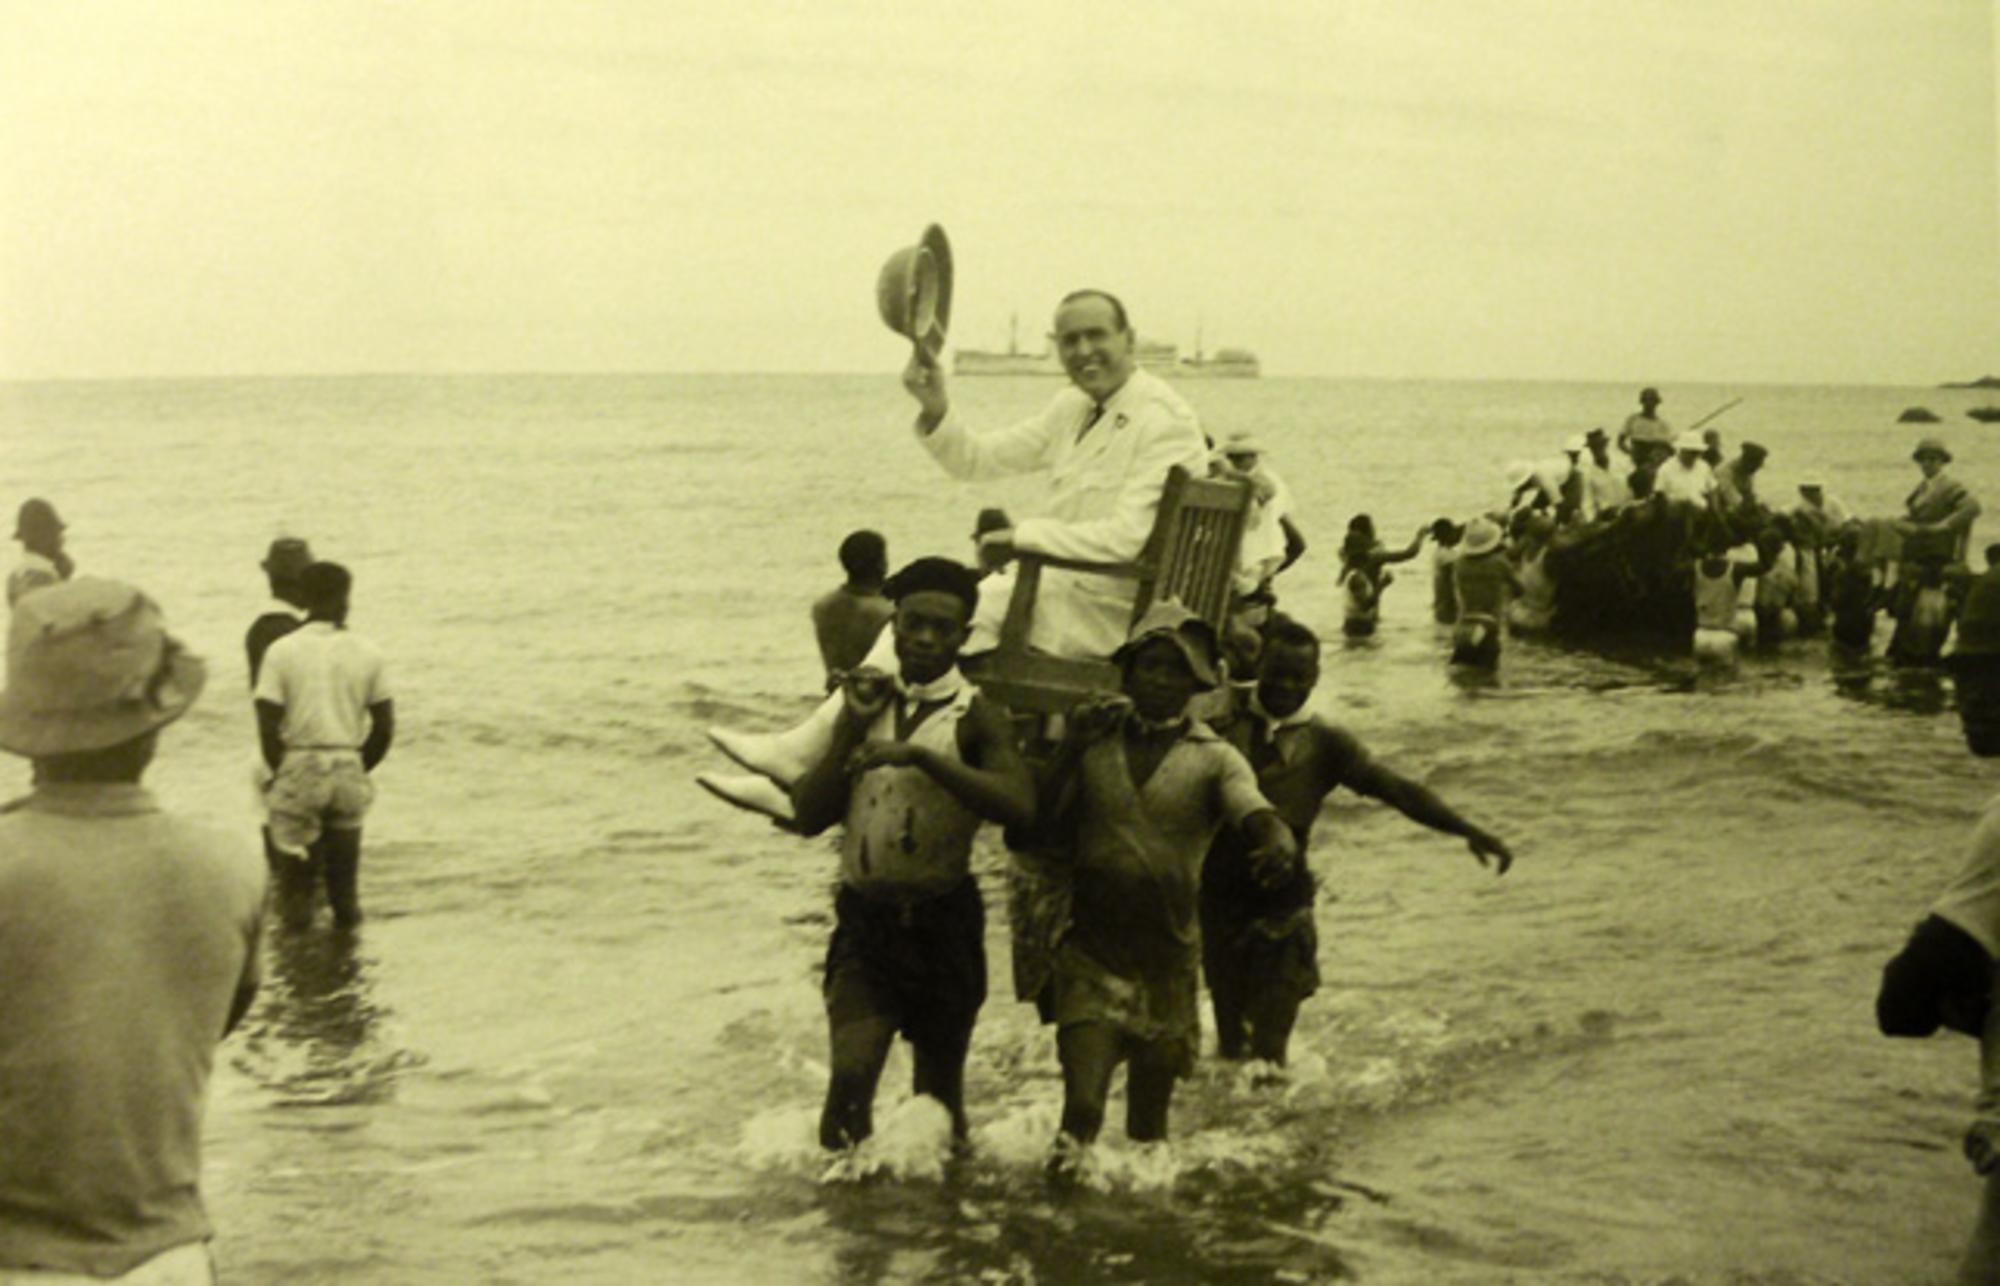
[580, 1039]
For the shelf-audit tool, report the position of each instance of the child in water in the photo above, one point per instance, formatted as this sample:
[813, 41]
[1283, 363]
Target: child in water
[1364, 574]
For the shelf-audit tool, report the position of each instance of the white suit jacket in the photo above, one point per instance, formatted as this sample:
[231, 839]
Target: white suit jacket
[1104, 492]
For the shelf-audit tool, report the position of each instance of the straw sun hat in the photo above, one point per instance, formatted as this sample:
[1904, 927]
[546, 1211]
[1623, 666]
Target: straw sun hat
[90, 665]
[913, 291]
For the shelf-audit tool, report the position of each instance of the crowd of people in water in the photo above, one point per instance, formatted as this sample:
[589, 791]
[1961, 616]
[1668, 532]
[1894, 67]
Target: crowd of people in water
[1158, 824]
[1157, 829]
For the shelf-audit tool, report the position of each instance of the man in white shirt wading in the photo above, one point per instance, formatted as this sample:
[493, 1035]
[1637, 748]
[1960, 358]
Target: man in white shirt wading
[325, 720]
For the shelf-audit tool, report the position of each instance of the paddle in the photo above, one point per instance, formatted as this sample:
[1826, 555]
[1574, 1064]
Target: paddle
[1734, 401]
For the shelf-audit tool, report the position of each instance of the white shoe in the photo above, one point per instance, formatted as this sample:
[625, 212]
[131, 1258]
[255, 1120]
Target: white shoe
[750, 792]
[783, 757]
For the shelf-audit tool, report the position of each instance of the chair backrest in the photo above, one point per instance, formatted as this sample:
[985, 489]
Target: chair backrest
[1191, 555]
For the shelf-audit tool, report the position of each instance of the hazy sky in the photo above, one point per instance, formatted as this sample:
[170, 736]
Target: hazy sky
[1618, 189]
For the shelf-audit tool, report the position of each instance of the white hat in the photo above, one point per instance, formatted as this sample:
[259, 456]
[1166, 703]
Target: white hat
[1576, 445]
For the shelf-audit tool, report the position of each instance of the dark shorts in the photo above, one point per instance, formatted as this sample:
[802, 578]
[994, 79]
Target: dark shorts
[919, 964]
[1243, 954]
[1941, 978]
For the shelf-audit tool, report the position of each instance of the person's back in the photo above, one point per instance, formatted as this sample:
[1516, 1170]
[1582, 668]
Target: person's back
[123, 936]
[128, 948]
[326, 677]
[1483, 584]
[847, 623]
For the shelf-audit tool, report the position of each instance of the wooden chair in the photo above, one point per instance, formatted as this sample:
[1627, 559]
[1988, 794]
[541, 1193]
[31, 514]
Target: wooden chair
[1190, 557]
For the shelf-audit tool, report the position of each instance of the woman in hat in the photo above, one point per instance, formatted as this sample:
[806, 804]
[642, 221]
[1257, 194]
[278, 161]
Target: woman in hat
[1485, 581]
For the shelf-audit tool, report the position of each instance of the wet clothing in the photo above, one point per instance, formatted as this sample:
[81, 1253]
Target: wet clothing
[846, 624]
[1130, 955]
[1107, 467]
[918, 961]
[904, 830]
[909, 939]
[1256, 936]
[124, 936]
[1484, 581]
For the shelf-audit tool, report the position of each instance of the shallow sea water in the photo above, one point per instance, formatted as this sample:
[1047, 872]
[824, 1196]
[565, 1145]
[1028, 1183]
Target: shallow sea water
[580, 1038]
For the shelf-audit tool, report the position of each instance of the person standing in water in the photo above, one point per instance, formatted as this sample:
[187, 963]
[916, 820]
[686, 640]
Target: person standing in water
[918, 760]
[1485, 580]
[1137, 793]
[1364, 574]
[1259, 943]
[848, 618]
[1944, 975]
[326, 721]
[44, 562]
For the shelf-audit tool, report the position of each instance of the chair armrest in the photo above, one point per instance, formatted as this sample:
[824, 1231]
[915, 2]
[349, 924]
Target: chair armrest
[1130, 571]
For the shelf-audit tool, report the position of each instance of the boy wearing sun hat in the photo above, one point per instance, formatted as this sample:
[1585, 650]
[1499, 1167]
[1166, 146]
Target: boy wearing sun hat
[128, 946]
[1137, 793]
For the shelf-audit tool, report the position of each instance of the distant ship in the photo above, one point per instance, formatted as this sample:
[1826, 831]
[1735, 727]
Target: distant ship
[1159, 357]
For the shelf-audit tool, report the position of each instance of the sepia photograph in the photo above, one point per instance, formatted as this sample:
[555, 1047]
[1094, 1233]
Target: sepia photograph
[860, 644]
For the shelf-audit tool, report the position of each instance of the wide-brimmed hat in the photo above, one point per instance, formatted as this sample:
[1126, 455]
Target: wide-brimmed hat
[1596, 435]
[37, 516]
[1168, 619]
[1576, 445]
[1931, 446]
[1688, 440]
[90, 665]
[1481, 537]
[913, 292]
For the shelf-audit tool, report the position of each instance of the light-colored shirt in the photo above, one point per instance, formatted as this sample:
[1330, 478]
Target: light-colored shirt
[124, 935]
[1640, 427]
[34, 573]
[905, 830]
[1104, 493]
[1263, 547]
[325, 677]
[1676, 481]
[1603, 490]
[1972, 899]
